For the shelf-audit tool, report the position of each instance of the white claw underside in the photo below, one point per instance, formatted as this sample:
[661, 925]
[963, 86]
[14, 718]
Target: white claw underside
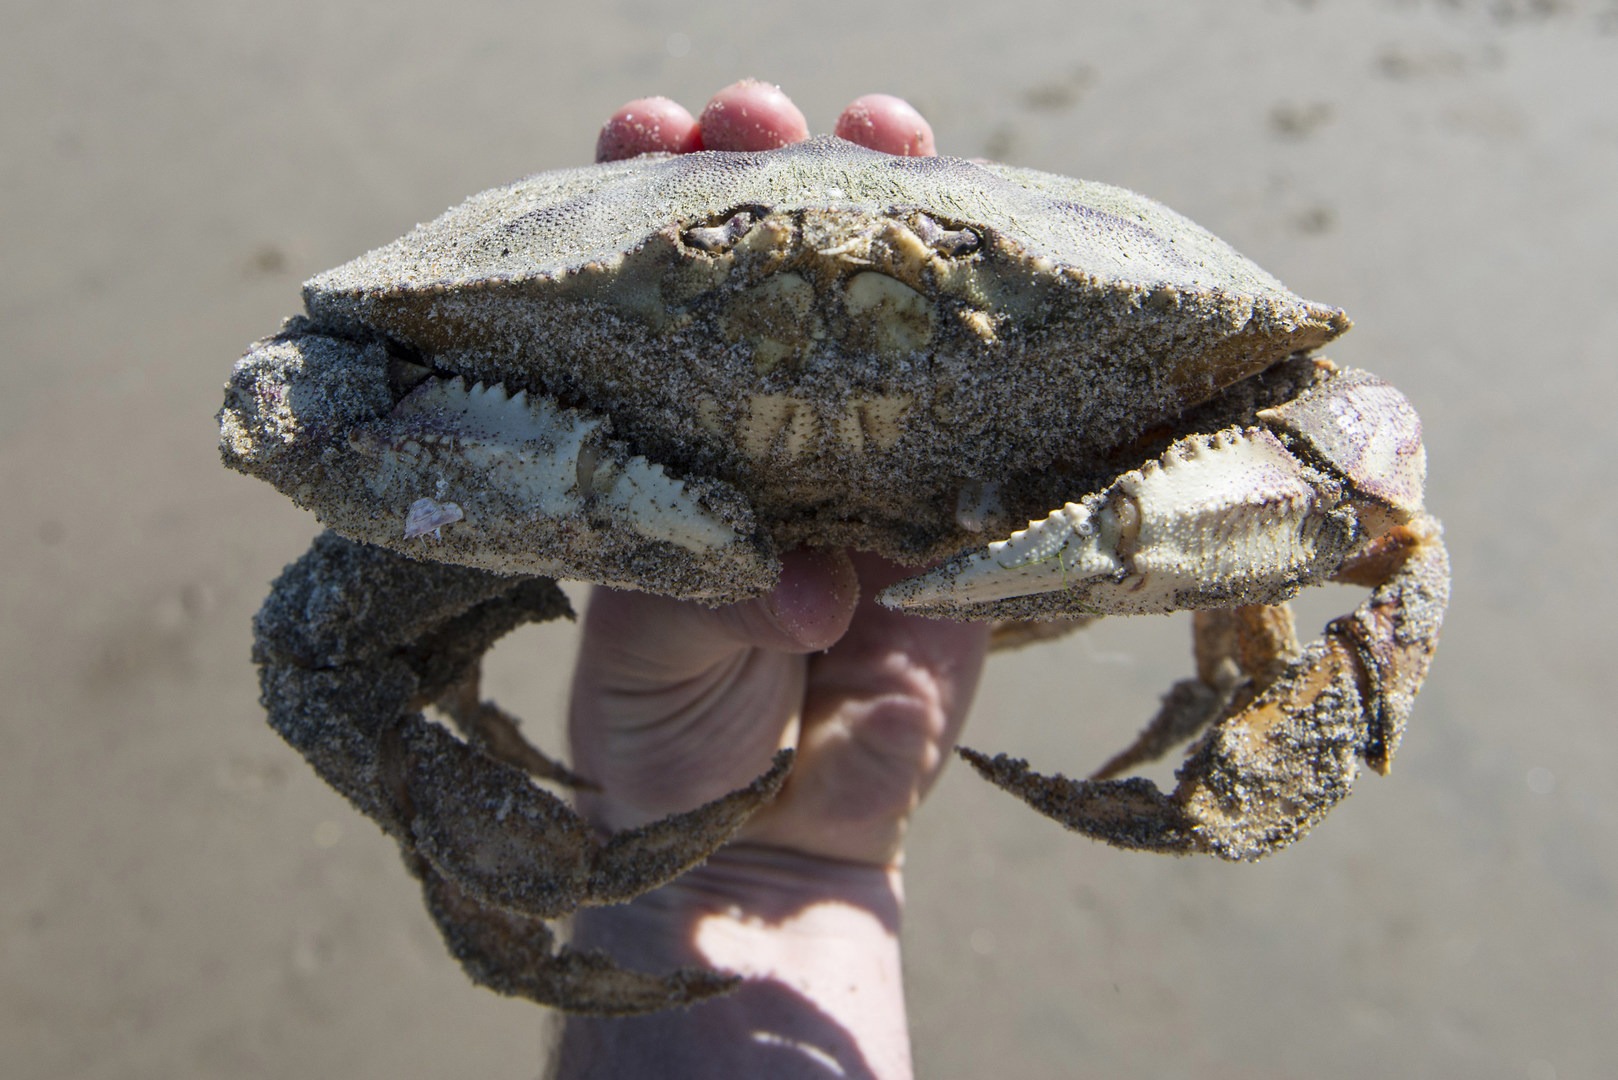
[550, 460]
[1231, 510]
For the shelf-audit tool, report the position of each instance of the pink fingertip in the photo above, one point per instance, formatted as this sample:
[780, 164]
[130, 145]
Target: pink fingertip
[816, 596]
[648, 126]
[886, 123]
[751, 115]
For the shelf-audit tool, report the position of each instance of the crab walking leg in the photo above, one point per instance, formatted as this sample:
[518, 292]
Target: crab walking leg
[511, 844]
[1328, 487]
[1266, 775]
[514, 954]
[1239, 652]
[497, 733]
[1254, 642]
[351, 642]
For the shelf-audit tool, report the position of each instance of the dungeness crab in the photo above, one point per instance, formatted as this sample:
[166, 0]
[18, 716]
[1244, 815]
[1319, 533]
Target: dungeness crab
[659, 373]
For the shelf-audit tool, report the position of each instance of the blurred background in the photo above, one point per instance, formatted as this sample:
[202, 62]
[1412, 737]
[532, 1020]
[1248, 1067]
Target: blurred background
[182, 898]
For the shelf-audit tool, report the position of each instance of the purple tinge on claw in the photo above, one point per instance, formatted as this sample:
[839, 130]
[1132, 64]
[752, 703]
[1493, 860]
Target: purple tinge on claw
[429, 516]
[1365, 428]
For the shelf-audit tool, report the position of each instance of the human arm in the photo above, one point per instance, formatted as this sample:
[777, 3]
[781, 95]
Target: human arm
[674, 704]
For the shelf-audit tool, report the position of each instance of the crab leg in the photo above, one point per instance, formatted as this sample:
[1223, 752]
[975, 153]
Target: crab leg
[1328, 487]
[1265, 775]
[1239, 652]
[496, 732]
[352, 641]
[513, 954]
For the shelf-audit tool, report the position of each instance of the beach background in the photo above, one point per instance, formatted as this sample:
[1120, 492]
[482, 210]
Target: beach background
[181, 897]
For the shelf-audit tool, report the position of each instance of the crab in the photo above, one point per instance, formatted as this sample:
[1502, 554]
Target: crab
[660, 373]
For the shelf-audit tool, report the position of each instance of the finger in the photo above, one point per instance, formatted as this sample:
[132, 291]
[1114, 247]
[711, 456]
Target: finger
[886, 123]
[930, 664]
[639, 641]
[810, 607]
[648, 126]
[889, 700]
[675, 704]
[882, 709]
[751, 115]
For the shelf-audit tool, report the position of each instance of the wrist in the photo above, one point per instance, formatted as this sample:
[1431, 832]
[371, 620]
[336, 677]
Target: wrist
[816, 942]
[751, 890]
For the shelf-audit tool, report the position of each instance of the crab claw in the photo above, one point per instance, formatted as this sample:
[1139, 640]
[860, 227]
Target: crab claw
[1247, 515]
[1226, 518]
[389, 453]
[352, 641]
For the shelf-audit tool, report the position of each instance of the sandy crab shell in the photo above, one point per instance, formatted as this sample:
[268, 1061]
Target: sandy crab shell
[818, 344]
[660, 373]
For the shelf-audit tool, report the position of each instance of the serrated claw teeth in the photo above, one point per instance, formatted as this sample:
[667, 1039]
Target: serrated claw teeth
[1059, 551]
[550, 459]
[1229, 515]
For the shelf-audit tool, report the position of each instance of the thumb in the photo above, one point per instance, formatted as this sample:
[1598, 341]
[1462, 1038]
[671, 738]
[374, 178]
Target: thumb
[637, 641]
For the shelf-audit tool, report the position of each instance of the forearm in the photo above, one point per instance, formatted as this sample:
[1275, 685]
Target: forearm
[817, 944]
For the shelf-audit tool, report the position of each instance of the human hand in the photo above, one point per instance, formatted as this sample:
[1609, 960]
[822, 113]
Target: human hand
[752, 115]
[675, 704]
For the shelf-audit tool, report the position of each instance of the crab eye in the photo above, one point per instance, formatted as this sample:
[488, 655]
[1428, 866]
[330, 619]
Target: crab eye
[722, 231]
[950, 243]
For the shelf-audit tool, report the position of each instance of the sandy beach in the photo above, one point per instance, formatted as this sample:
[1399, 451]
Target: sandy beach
[182, 896]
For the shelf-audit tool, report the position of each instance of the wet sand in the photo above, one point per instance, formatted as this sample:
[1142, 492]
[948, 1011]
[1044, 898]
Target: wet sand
[183, 898]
